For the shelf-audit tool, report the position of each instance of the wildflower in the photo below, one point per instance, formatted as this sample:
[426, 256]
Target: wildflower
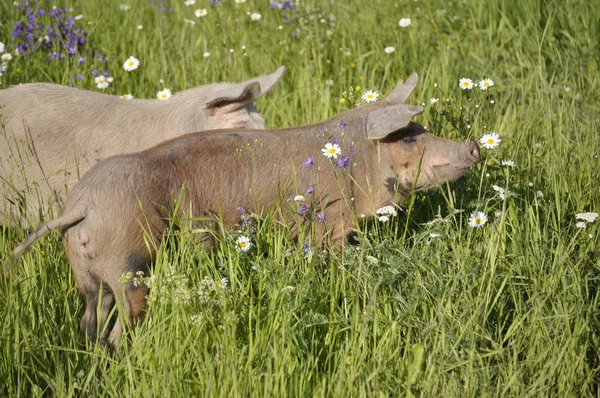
[343, 125]
[343, 163]
[485, 84]
[321, 217]
[331, 150]
[131, 64]
[434, 235]
[500, 190]
[206, 54]
[127, 96]
[164, 94]
[302, 211]
[243, 244]
[1, 47]
[306, 250]
[190, 2]
[391, 210]
[357, 88]
[6, 57]
[101, 82]
[240, 1]
[125, 7]
[465, 84]
[310, 189]
[370, 96]
[540, 194]
[298, 198]
[189, 21]
[389, 50]
[580, 225]
[309, 161]
[223, 283]
[404, 22]
[589, 217]
[329, 82]
[241, 209]
[342, 100]
[255, 16]
[140, 27]
[201, 12]
[384, 218]
[490, 140]
[478, 219]
[508, 163]
[433, 101]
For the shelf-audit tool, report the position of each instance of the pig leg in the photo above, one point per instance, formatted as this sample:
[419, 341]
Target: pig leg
[89, 322]
[133, 300]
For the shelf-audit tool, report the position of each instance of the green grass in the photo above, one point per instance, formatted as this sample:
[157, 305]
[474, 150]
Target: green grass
[510, 309]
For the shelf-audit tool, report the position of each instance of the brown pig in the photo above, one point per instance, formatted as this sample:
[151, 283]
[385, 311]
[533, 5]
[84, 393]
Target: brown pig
[53, 134]
[353, 163]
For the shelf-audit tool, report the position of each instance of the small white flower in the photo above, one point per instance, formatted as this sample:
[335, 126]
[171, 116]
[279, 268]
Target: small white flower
[131, 63]
[1, 47]
[140, 27]
[109, 79]
[477, 220]
[6, 57]
[240, 1]
[589, 217]
[101, 82]
[540, 194]
[434, 235]
[329, 82]
[190, 2]
[207, 54]
[500, 190]
[125, 7]
[164, 94]
[370, 96]
[384, 218]
[465, 84]
[389, 50]
[404, 22]
[298, 198]
[243, 244]
[508, 163]
[490, 140]
[127, 96]
[485, 84]
[189, 21]
[201, 12]
[433, 101]
[580, 225]
[390, 210]
[78, 17]
[331, 150]
[255, 16]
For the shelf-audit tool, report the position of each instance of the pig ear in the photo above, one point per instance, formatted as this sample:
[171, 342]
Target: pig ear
[384, 121]
[403, 90]
[231, 99]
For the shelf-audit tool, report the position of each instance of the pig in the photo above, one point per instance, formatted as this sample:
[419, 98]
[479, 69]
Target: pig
[53, 134]
[328, 172]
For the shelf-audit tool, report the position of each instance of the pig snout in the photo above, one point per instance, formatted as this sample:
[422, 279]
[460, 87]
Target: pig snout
[473, 152]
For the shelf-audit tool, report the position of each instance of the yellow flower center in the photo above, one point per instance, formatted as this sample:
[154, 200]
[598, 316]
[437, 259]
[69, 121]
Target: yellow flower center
[478, 221]
[486, 84]
[370, 96]
[243, 245]
[466, 84]
[490, 141]
[331, 150]
[131, 63]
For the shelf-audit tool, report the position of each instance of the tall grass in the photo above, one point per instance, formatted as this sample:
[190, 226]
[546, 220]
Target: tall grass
[415, 308]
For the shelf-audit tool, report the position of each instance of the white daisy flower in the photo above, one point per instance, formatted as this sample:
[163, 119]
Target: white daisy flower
[131, 64]
[1, 47]
[370, 96]
[589, 217]
[201, 12]
[331, 150]
[243, 244]
[101, 82]
[391, 210]
[490, 140]
[477, 220]
[206, 54]
[485, 84]
[298, 198]
[190, 2]
[465, 83]
[255, 16]
[127, 96]
[433, 101]
[6, 57]
[389, 50]
[404, 22]
[164, 94]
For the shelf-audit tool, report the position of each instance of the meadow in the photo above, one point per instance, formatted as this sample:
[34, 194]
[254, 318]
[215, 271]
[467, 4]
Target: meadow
[423, 304]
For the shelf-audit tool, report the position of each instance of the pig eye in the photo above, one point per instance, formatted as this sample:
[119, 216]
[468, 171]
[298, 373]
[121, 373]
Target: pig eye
[409, 139]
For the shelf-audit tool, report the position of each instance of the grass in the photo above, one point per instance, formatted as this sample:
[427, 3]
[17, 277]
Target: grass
[510, 309]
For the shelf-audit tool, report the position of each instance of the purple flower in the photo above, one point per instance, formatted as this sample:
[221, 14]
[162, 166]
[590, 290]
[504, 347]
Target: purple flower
[343, 125]
[241, 209]
[306, 250]
[78, 77]
[335, 140]
[343, 163]
[81, 60]
[106, 73]
[352, 149]
[302, 210]
[309, 161]
[321, 217]
[310, 189]
[94, 73]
